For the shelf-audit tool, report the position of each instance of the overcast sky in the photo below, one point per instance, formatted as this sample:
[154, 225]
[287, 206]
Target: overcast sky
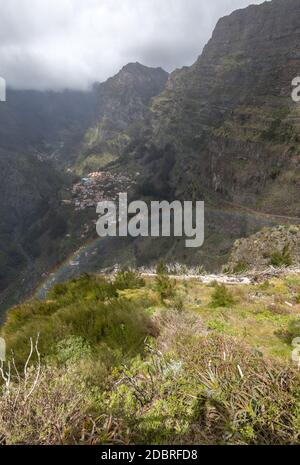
[72, 43]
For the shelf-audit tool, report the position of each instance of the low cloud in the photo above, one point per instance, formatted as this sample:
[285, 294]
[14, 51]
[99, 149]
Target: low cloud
[56, 44]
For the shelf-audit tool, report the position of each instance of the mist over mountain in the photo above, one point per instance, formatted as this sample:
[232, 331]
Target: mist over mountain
[58, 44]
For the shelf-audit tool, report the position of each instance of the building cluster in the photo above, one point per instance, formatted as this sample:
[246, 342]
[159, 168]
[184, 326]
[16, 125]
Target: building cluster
[97, 187]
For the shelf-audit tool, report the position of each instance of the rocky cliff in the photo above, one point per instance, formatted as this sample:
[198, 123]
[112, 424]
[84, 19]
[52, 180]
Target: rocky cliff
[122, 112]
[230, 119]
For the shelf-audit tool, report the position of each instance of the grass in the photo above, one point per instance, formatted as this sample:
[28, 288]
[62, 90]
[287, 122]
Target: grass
[89, 307]
[283, 258]
[256, 313]
[221, 297]
[155, 361]
[95, 162]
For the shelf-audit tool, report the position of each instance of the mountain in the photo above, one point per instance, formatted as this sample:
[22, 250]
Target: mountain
[122, 111]
[29, 200]
[226, 131]
[230, 119]
[36, 128]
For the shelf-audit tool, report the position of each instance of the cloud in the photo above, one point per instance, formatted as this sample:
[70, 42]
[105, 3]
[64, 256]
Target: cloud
[55, 44]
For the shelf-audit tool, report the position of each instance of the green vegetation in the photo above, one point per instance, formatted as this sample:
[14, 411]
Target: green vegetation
[89, 308]
[221, 297]
[95, 162]
[240, 267]
[293, 330]
[164, 285]
[281, 258]
[277, 246]
[138, 361]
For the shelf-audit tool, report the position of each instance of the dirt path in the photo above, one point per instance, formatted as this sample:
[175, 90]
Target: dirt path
[206, 279]
[252, 277]
[260, 213]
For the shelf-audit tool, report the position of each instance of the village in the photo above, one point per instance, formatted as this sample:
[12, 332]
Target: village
[97, 187]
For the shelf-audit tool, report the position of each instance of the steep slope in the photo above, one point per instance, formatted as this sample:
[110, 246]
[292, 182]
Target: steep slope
[29, 202]
[230, 119]
[277, 247]
[227, 131]
[122, 110]
[48, 124]
[224, 130]
[36, 129]
[210, 364]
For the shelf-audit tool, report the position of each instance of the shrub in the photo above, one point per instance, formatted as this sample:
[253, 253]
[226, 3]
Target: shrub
[56, 412]
[213, 390]
[283, 258]
[221, 297]
[161, 269]
[71, 350]
[190, 388]
[240, 267]
[85, 308]
[128, 279]
[102, 378]
[165, 287]
[87, 287]
[293, 329]
[163, 284]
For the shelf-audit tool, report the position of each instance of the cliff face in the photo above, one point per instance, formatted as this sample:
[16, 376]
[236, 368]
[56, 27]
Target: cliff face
[35, 127]
[277, 247]
[122, 110]
[124, 98]
[230, 118]
[29, 215]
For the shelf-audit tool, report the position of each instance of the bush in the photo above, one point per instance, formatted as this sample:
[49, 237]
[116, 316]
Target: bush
[85, 308]
[103, 378]
[240, 267]
[56, 412]
[293, 330]
[72, 350]
[213, 390]
[128, 279]
[221, 297]
[87, 287]
[280, 259]
[161, 269]
[163, 284]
